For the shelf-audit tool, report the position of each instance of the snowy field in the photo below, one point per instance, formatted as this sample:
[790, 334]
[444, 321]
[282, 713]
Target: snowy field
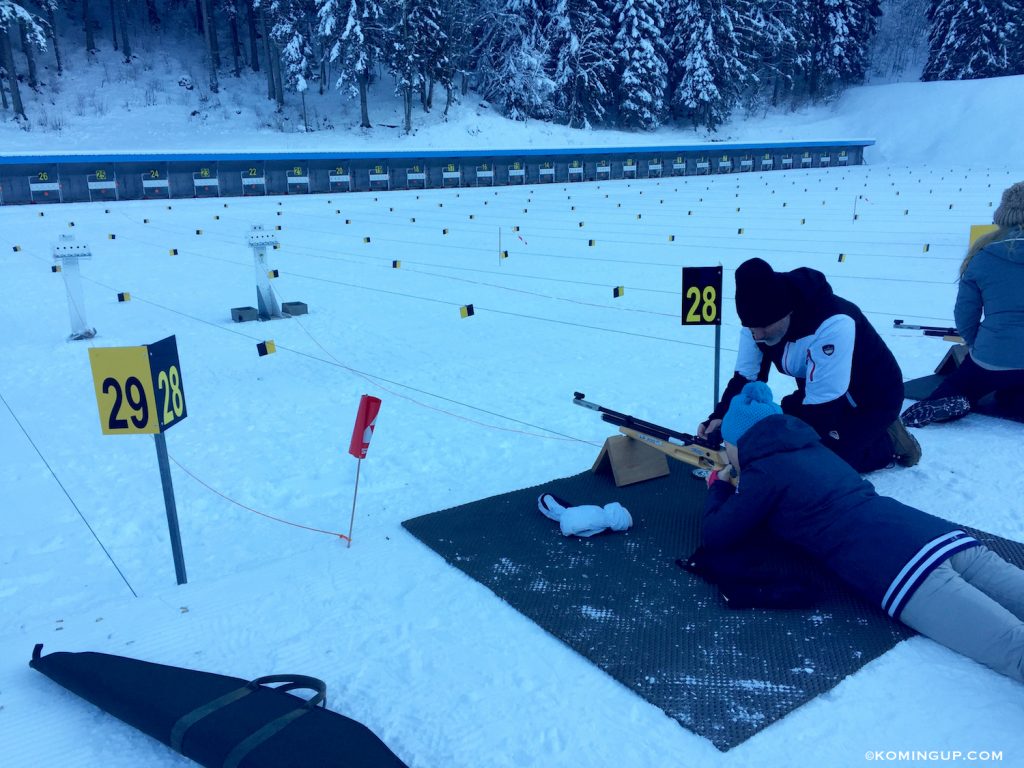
[443, 671]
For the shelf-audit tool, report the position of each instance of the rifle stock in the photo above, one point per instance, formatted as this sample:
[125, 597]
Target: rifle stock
[680, 446]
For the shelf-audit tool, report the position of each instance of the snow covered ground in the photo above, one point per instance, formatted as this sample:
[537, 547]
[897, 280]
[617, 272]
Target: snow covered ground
[443, 671]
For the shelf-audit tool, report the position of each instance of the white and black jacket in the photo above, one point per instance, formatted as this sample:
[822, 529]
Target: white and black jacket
[842, 367]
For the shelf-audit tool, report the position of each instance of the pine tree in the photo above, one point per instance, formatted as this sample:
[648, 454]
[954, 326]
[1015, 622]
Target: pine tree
[432, 49]
[12, 17]
[972, 39]
[640, 54]
[710, 71]
[583, 63]
[403, 55]
[51, 7]
[299, 54]
[841, 31]
[1015, 36]
[461, 25]
[514, 53]
[353, 38]
[771, 48]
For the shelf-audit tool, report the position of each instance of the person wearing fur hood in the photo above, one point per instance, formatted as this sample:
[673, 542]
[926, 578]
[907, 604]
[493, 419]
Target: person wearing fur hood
[989, 317]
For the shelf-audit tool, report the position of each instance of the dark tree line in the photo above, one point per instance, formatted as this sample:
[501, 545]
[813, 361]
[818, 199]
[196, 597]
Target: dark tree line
[970, 39]
[634, 64]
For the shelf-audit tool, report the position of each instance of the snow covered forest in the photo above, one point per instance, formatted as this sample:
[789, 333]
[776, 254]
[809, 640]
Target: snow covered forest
[632, 64]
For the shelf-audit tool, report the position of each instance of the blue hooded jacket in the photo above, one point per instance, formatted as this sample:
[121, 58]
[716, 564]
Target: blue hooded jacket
[990, 302]
[802, 493]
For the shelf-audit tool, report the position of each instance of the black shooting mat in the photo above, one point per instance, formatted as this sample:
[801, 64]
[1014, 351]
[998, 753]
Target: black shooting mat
[922, 388]
[620, 600]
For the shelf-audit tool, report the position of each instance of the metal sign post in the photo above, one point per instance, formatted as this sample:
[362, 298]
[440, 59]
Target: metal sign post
[702, 305]
[139, 391]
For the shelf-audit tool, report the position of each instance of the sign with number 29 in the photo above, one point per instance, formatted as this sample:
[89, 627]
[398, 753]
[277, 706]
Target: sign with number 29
[138, 389]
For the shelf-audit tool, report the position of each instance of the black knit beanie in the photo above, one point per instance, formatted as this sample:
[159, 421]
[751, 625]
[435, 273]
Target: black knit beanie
[763, 296]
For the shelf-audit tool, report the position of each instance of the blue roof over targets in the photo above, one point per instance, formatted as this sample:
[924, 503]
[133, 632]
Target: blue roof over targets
[166, 157]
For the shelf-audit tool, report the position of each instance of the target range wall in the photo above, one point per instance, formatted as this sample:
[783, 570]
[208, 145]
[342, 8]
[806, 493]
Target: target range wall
[28, 179]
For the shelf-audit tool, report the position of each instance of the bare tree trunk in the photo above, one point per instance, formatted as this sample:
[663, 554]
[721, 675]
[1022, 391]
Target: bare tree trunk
[122, 17]
[152, 14]
[90, 41]
[236, 47]
[30, 55]
[211, 23]
[423, 94]
[465, 83]
[51, 18]
[323, 74]
[266, 54]
[3, 90]
[7, 57]
[450, 91]
[275, 65]
[250, 20]
[364, 112]
[214, 85]
[407, 106]
[113, 24]
[200, 15]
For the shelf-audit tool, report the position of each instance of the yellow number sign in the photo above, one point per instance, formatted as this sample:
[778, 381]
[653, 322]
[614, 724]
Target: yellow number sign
[702, 296]
[980, 230]
[138, 389]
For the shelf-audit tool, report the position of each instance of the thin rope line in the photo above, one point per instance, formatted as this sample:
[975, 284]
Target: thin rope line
[256, 511]
[43, 458]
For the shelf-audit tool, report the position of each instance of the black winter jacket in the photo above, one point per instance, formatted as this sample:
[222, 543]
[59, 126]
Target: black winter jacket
[842, 367]
[806, 495]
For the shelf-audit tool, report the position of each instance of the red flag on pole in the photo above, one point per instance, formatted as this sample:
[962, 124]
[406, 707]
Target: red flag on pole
[366, 420]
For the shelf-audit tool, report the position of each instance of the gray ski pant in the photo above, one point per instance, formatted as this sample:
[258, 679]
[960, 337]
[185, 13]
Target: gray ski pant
[974, 604]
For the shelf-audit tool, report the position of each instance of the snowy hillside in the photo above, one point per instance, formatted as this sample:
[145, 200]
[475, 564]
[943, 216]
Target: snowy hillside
[961, 123]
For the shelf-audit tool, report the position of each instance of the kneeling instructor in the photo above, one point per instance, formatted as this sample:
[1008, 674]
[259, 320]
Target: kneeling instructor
[849, 385]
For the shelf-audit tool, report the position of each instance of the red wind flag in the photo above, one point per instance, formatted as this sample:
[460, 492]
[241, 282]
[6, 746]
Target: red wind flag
[366, 420]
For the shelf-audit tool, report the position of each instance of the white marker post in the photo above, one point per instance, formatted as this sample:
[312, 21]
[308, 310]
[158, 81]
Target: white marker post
[366, 420]
[266, 300]
[69, 253]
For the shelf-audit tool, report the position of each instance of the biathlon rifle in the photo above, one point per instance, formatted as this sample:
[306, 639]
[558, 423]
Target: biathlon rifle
[946, 332]
[690, 449]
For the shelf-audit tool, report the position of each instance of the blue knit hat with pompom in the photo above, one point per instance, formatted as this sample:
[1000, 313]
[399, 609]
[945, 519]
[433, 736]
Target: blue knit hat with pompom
[753, 403]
